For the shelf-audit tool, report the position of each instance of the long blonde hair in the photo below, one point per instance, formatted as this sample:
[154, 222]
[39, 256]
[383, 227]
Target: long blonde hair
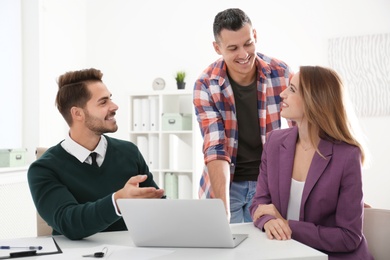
[322, 92]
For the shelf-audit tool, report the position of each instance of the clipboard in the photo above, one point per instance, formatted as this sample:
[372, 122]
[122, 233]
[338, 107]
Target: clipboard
[53, 247]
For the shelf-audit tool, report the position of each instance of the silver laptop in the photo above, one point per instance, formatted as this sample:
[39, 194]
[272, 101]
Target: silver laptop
[178, 223]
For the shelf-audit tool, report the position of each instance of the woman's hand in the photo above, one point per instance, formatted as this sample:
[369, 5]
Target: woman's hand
[269, 209]
[278, 229]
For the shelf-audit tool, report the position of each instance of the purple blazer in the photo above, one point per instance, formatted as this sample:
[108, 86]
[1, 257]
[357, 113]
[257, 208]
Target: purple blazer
[331, 214]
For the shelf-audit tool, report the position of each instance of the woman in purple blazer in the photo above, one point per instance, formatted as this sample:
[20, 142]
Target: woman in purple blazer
[310, 182]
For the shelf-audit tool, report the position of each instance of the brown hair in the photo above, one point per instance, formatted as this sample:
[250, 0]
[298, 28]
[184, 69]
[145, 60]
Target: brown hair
[73, 91]
[322, 92]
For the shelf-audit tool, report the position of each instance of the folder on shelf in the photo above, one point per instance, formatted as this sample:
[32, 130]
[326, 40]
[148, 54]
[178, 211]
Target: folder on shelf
[171, 185]
[184, 186]
[174, 143]
[180, 153]
[154, 115]
[145, 114]
[142, 143]
[153, 152]
[137, 108]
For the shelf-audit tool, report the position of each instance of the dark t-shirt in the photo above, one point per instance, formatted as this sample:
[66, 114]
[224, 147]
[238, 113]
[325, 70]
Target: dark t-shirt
[249, 138]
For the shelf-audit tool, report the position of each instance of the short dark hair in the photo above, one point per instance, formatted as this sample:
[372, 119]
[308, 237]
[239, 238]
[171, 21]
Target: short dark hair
[73, 91]
[231, 19]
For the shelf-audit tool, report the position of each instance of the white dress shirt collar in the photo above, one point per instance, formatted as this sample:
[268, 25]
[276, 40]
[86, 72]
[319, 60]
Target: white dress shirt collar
[81, 153]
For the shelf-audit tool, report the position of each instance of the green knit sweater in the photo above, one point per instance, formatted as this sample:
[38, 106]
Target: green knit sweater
[75, 198]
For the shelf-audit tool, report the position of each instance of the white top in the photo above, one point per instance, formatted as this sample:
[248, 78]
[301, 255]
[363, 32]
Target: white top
[294, 203]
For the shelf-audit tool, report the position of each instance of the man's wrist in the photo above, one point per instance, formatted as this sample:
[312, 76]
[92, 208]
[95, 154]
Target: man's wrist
[114, 198]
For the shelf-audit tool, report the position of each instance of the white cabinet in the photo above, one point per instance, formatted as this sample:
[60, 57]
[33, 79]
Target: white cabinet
[163, 125]
[18, 213]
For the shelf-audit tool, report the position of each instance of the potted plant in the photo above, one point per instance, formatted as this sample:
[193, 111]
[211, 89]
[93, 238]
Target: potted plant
[180, 77]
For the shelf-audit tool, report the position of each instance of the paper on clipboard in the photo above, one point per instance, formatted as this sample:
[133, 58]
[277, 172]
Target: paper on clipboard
[48, 244]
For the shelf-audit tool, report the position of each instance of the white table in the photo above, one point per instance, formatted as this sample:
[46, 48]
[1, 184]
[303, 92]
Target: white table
[256, 246]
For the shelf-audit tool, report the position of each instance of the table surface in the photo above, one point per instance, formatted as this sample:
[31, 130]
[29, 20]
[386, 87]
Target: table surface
[256, 246]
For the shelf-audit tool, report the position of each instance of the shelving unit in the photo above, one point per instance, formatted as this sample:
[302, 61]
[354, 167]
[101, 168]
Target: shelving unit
[173, 155]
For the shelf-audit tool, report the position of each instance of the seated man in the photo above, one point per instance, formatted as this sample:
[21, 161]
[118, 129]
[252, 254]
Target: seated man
[76, 183]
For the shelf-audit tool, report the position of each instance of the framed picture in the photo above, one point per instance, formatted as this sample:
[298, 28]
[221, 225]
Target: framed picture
[363, 62]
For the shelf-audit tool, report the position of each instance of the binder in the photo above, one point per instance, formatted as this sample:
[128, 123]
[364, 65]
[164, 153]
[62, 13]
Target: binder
[154, 117]
[137, 108]
[145, 115]
[180, 152]
[171, 185]
[174, 143]
[153, 152]
[184, 186]
[142, 143]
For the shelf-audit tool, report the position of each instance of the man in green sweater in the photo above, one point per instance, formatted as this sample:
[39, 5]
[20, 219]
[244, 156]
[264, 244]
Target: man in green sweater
[75, 184]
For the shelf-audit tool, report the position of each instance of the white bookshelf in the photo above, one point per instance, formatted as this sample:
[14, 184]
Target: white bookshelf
[178, 152]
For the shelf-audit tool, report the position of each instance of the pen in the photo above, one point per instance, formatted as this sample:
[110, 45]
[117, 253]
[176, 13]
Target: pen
[22, 253]
[24, 247]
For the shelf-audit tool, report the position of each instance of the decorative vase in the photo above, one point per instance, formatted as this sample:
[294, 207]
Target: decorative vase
[181, 85]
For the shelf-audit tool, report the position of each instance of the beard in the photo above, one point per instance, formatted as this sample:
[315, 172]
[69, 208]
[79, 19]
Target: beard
[98, 125]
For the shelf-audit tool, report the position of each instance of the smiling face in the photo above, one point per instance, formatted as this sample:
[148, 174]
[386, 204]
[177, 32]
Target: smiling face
[100, 110]
[292, 104]
[239, 52]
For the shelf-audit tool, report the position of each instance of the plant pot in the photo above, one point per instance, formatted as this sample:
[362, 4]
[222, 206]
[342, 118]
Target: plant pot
[181, 85]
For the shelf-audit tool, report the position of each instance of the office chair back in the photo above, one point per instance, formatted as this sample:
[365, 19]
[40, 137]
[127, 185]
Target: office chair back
[43, 229]
[376, 229]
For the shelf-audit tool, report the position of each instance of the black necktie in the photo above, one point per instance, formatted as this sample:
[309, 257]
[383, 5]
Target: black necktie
[93, 157]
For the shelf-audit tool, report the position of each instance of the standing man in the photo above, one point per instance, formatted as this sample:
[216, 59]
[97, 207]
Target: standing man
[237, 103]
[76, 183]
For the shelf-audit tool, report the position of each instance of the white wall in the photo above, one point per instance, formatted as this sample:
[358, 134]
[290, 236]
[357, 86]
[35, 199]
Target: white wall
[133, 42]
[376, 175]
[11, 74]
[54, 41]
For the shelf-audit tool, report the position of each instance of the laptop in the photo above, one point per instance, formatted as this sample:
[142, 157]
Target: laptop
[178, 223]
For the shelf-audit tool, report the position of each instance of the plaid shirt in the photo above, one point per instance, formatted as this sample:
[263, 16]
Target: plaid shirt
[216, 112]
